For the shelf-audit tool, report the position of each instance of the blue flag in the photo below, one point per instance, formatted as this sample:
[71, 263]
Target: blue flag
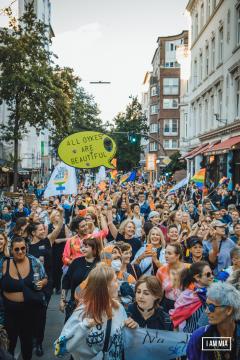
[132, 176]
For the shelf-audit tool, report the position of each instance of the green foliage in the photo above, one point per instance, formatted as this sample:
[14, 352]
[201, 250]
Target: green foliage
[131, 121]
[176, 163]
[83, 115]
[37, 93]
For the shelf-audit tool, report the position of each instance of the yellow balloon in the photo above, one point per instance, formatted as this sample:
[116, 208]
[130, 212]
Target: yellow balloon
[87, 150]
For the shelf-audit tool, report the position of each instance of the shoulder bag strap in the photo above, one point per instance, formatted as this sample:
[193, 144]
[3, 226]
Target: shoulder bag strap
[134, 271]
[107, 336]
[20, 278]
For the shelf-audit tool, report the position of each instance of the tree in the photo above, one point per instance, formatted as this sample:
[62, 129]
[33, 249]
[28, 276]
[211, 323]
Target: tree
[175, 164]
[132, 121]
[83, 115]
[37, 93]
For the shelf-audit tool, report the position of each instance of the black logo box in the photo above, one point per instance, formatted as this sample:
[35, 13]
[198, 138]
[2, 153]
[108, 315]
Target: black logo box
[216, 343]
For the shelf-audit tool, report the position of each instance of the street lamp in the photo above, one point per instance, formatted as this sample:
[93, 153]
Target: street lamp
[100, 82]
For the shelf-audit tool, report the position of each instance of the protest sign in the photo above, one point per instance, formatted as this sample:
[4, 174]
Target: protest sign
[63, 181]
[87, 150]
[152, 344]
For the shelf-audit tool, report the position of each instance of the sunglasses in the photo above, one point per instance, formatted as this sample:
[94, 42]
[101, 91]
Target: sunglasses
[212, 307]
[22, 249]
[165, 213]
[208, 274]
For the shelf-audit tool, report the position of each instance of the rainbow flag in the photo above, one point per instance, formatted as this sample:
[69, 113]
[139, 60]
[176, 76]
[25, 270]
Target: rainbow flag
[124, 178]
[102, 186]
[113, 173]
[199, 178]
[223, 180]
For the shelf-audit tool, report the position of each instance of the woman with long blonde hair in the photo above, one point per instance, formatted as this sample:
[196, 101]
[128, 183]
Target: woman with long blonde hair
[126, 232]
[95, 327]
[4, 251]
[151, 256]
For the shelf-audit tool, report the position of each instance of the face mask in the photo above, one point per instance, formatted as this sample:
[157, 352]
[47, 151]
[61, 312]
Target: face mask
[6, 217]
[116, 264]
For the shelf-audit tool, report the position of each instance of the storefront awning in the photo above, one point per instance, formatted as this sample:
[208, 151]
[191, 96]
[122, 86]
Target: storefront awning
[224, 146]
[191, 154]
[198, 151]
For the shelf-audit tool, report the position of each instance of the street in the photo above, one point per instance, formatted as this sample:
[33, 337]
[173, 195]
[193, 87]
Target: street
[54, 325]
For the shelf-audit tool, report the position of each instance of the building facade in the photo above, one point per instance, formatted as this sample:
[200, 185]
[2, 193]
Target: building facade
[34, 148]
[211, 135]
[164, 116]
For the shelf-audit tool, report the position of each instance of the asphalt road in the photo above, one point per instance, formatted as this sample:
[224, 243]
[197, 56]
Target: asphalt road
[55, 320]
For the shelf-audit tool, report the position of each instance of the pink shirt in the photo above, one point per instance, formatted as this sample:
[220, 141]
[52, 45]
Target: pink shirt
[72, 249]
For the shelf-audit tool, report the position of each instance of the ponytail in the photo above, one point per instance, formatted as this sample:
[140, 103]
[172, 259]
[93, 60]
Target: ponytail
[187, 275]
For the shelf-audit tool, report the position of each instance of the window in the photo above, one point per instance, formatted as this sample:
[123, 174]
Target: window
[238, 96]
[228, 26]
[170, 127]
[153, 128]
[214, 4]
[212, 110]
[170, 103]
[186, 124]
[154, 91]
[196, 25]
[170, 64]
[170, 86]
[207, 61]
[238, 25]
[153, 146]
[174, 144]
[153, 109]
[208, 12]
[170, 144]
[220, 45]
[213, 54]
[195, 74]
[206, 115]
[172, 47]
[202, 16]
[200, 67]
[200, 117]
[166, 144]
[219, 104]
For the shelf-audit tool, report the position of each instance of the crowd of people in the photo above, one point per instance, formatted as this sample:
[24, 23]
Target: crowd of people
[130, 256]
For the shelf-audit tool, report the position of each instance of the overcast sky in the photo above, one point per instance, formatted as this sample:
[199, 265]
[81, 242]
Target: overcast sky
[113, 40]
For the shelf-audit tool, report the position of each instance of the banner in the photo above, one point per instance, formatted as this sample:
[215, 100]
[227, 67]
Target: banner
[142, 344]
[87, 150]
[151, 164]
[179, 185]
[101, 174]
[63, 181]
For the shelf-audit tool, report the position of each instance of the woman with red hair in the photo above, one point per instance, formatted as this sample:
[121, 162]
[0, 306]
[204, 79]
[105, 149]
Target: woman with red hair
[95, 327]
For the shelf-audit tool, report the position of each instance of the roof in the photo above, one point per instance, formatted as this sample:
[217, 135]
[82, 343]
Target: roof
[198, 151]
[191, 153]
[172, 37]
[226, 145]
[189, 5]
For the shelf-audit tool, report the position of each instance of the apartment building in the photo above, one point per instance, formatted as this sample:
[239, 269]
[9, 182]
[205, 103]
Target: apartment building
[210, 111]
[164, 116]
[34, 148]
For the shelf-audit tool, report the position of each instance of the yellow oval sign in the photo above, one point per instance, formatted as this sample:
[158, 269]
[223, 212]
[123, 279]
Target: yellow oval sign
[87, 150]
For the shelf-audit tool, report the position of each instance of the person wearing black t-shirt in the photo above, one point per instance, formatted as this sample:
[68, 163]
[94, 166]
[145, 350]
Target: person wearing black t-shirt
[78, 271]
[145, 312]
[41, 248]
[126, 232]
[57, 249]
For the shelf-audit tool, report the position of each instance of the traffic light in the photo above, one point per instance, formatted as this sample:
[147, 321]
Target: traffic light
[132, 138]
